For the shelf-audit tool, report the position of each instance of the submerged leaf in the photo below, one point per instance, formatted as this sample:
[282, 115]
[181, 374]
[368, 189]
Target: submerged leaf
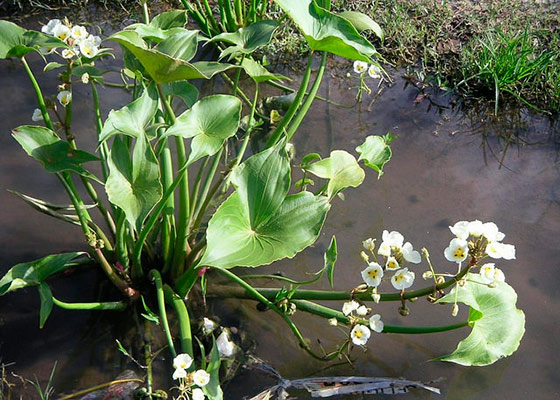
[326, 31]
[247, 40]
[497, 324]
[375, 152]
[34, 272]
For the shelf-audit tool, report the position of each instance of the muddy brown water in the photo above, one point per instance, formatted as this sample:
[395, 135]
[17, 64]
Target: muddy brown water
[447, 165]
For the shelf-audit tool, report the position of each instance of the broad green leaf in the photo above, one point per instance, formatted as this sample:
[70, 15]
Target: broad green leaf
[46, 303]
[181, 45]
[163, 67]
[213, 390]
[182, 89]
[330, 260]
[362, 22]
[133, 183]
[53, 65]
[260, 223]
[375, 152]
[341, 169]
[133, 118]
[259, 73]
[325, 31]
[209, 123]
[497, 324]
[53, 153]
[162, 25]
[34, 272]
[247, 40]
[17, 42]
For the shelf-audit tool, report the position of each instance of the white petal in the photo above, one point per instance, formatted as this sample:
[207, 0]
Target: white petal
[201, 378]
[499, 275]
[402, 279]
[372, 275]
[198, 394]
[392, 264]
[460, 229]
[179, 373]
[350, 306]
[508, 251]
[384, 249]
[225, 346]
[182, 361]
[375, 323]
[476, 228]
[360, 335]
[457, 251]
[362, 310]
[37, 115]
[410, 255]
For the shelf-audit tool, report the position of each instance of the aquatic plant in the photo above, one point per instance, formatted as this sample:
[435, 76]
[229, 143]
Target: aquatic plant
[164, 233]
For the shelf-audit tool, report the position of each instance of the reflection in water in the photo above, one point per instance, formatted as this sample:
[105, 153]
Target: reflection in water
[445, 167]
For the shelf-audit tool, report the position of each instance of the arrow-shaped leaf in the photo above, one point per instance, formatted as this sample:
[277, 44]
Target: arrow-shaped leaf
[247, 40]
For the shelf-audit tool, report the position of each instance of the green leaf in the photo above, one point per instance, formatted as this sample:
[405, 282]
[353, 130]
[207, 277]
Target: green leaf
[133, 183]
[212, 388]
[362, 22]
[325, 31]
[259, 73]
[330, 260]
[34, 272]
[309, 159]
[54, 154]
[182, 89]
[133, 118]
[52, 65]
[209, 123]
[46, 303]
[163, 67]
[247, 40]
[149, 315]
[375, 152]
[162, 25]
[341, 169]
[497, 325]
[17, 42]
[260, 223]
[181, 45]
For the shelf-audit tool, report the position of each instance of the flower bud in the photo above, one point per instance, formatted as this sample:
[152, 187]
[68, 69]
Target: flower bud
[432, 298]
[376, 297]
[333, 321]
[462, 282]
[425, 253]
[364, 256]
[427, 275]
[440, 280]
[455, 310]
[404, 311]
[369, 244]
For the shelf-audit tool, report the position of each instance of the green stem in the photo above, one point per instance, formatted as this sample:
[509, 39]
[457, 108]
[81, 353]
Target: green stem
[201, 202]
[294, 106]
[145, 12]
[309, 100]
[196, 186]
[237, 76]
[148, 356]
[103, 148]
[185, 335]
[111, 305]
[156, 278]
[38, 94]
[168, 227]
[121, 245]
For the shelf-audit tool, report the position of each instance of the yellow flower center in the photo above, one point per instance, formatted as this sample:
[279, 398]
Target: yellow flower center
[399, 278]
[373, 274]
[62, 36]
[459, 253]
[392, 264]
[358, 334]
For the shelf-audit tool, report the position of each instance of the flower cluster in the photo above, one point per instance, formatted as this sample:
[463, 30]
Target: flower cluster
[360, 333]
[190, 381]
[75, 36]
[360, 67]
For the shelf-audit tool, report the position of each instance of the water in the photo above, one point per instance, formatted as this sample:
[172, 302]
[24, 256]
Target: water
[447, 165]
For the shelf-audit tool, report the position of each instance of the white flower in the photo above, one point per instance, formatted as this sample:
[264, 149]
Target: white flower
[68, 53]
[208, 326]
[457, 251]
[375, 323]
[79, 33]
[372, 274]
[501, 250]
[179, 373]
[492, 233]
[96, 40]
[374, 71]
[392, 264]
[48, 29]
[460, 229]
[476, 228]
[369, 244]
[197, 394]
[85, 78]
[182, 361]
[88, 48]
[201, 378]
[410, 254]
[64, 97]
[360, 67]
[350, 306]
[390, 239]
[489, 273]
[61, 31]
[360, 335]
[402, 279]
[37, 115]
[333, 321]
[225, 346]
[362, 311]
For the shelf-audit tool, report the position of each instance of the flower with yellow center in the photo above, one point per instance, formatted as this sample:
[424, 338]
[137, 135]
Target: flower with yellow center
[88, 48]
[392, 264]
[360, 67]
[79, 32]
[374, 71]
[182, 361]
[457, 251]
[64, 97]
[360, 335]
[373, 274]
[61, 31]
[403, 279]
[201, 378]
[198, 394]
[501, 250]
[48, 29]
[490, 274]
[350, 306]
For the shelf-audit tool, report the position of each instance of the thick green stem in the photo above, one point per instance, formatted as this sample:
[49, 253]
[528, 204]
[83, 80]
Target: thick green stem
[178, 304]
[294, 106]
[38, 94]
[201, 202]
[156, 278]
[168, 227]
[120, 243]
[103, 148]
[111, 305]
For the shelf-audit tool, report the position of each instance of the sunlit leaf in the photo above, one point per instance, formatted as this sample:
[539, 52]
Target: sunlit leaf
[46, 303]
[53, 65]
[341, 169]
[34, 272]
[326, 31]
[330, 260]
[181, 45]
[375, 152]
[497, 324]
[53, 153]
[133, 183]
[162, 25]
[182, 89]
[17, 42]
[247, 40]
[209, 123]
[362, 22]
[133, 118]
[260, 223]
[259, 73]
